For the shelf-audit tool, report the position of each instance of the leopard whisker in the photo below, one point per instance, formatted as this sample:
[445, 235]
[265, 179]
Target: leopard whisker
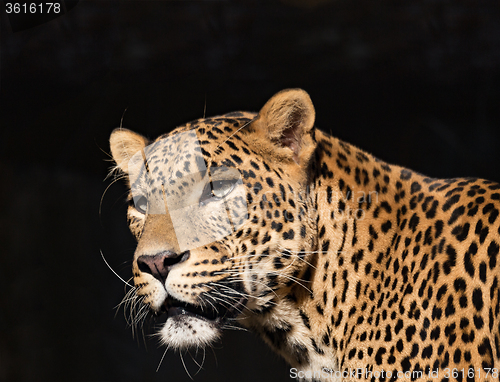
[225, 297]
[129, 296]
[194, 360]
[232, 290]
[222, 300]
[255, 282]
[117, 179]
[112, 270]
[185, 368]
[232, 327]
[162, 357]
[258, 298]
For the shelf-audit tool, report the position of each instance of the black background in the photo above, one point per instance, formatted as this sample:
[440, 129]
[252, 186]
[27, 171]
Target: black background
[414, 82]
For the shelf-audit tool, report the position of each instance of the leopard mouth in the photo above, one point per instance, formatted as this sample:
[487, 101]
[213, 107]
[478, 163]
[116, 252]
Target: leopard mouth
[212, 313]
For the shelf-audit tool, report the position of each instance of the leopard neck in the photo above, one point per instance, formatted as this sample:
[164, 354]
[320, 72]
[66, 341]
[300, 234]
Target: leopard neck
[351, 187]
[355, 195]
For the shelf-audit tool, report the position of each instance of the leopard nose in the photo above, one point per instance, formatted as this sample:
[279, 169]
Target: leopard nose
[159, 265]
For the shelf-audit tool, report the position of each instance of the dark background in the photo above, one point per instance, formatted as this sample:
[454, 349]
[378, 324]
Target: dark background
[414, 82]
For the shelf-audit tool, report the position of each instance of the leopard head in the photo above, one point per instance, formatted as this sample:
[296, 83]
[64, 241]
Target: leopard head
[222, 214]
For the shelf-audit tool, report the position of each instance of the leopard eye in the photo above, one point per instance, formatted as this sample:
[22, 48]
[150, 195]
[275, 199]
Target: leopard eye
[221, 188]
[141, 204]
[217, 190]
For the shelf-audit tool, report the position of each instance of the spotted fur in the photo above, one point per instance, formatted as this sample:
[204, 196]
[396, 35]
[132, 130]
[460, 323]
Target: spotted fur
[343, 262]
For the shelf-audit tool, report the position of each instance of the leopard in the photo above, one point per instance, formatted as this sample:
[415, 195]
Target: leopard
[349, 268]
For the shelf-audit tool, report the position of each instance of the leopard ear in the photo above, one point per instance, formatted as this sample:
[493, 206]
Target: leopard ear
[287, 120]
[124, 144]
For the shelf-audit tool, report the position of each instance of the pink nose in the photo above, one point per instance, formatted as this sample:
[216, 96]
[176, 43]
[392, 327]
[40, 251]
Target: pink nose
[159, 265]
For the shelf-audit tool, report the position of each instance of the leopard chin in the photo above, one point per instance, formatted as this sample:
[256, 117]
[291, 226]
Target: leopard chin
[183, 331]
[191, 326]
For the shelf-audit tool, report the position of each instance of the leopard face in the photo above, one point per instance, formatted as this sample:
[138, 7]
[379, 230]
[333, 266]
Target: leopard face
[336, 259]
